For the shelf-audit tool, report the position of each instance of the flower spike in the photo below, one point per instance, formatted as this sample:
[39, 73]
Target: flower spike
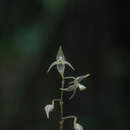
[74, 84]
[80, 78]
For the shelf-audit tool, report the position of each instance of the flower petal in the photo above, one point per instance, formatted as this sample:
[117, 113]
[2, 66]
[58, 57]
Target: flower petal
[48, 108]
[53, 64]
[66, 62]
[60, 54]
[81, 87]
[61, 68]
[74, 92]
[77, 126]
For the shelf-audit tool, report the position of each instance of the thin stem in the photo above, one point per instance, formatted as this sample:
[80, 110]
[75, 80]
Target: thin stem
[69, 117]
[61, 104]
[71, 77]
[55, 100]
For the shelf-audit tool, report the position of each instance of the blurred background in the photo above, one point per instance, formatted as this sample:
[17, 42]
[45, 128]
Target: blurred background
[94, 37]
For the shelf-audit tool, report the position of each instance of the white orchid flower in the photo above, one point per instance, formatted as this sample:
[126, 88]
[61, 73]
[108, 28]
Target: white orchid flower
[75, 84]
[60, 62]
[48, 108]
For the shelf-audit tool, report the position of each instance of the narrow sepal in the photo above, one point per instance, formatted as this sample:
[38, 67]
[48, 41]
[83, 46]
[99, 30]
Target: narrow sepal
[81, 87]
[61, 68]
[53, 64]
[67, 63]
[80, 78]
[60, 54]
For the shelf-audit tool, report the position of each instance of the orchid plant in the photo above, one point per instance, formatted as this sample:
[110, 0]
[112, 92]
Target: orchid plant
[74, 85]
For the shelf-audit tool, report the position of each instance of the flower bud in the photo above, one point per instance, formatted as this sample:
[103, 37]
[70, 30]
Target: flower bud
[48, 108]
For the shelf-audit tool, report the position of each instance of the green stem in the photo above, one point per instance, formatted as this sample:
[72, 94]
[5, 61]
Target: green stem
[69, 117]
[61, 104]
[55, 100]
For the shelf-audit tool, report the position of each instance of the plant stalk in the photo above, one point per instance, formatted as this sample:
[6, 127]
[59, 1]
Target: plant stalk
[61, 104]
[70, 117]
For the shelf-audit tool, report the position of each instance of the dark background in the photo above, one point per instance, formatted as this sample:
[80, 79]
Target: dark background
[94, 36]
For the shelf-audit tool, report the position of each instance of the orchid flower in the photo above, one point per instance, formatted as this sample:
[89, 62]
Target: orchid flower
[48, 108]
[60, 62]
[75, 84]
